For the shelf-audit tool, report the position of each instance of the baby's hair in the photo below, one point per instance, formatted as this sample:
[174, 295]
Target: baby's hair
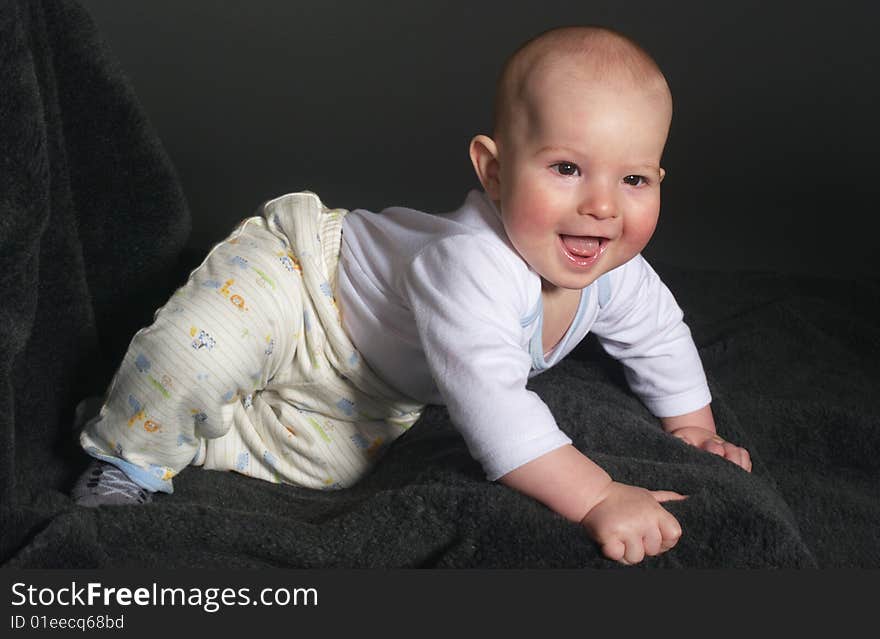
[602, 53]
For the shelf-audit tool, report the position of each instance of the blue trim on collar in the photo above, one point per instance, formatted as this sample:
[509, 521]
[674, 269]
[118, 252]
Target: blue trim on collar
[536, 344]
[533, 314]
[604, 286]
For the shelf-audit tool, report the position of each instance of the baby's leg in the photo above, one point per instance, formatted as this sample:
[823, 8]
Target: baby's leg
[322, 421]
[219, 338]
[315, 429]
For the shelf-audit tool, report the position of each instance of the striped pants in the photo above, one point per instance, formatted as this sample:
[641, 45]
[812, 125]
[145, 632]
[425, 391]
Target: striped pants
[248, 368]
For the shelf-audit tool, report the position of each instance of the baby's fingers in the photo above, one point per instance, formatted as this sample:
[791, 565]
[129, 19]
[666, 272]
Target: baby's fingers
[631, 550]
[717, 446]
[730, 452]
[670, 531]
[667, 495]
[635, 551]
[653, 543]
[748, 460]
[740, 457]
[626, 549]
[614, 550]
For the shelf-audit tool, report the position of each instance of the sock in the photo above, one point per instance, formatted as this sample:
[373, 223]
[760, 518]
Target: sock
[104, 484]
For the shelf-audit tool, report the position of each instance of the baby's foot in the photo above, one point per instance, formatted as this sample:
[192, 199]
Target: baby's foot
[104, 484]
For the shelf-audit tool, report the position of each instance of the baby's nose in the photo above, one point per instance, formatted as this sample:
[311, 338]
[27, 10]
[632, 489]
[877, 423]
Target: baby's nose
[598, 205]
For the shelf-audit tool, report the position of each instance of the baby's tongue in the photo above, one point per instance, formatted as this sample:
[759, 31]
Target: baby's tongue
[581, 245]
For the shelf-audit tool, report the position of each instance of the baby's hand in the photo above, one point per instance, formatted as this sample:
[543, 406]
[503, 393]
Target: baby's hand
[709, 441]
[628, 523]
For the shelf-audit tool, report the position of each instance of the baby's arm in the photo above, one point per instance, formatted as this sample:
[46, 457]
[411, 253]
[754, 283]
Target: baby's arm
[698, 429]
[626, 521]
[468, 312]
[643, 327]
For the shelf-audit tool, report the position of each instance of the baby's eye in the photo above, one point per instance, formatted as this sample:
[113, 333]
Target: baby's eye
[635, 180]
[566, 168]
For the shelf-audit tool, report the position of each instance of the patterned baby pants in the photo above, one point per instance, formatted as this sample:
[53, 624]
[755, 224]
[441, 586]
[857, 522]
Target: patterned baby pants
[248, 367]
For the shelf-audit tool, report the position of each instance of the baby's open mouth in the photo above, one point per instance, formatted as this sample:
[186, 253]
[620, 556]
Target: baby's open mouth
[582, 245]
[583, 251]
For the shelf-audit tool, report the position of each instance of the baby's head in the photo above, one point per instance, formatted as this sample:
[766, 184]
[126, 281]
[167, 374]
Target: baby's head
[581, 119]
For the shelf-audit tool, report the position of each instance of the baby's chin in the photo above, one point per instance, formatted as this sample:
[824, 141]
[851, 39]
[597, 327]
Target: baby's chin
[570, 283]
[574, 278]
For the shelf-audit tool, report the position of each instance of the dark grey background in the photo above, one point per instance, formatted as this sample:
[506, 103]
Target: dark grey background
[772, 160]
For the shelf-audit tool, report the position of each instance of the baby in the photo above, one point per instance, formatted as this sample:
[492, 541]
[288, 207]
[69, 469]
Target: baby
[311, 338]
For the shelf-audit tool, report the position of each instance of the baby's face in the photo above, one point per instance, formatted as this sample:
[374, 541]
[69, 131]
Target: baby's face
[580, 176]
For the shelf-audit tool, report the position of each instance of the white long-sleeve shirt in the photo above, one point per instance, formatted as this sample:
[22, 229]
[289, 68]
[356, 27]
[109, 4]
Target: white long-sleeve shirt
[444, 309]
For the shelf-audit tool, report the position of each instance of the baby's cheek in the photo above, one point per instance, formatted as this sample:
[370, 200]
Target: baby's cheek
[639, 230]
[532, 225]
[536, 214]
[527, 222]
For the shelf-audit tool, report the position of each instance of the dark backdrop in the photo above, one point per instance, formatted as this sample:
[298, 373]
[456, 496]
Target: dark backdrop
[772, 160]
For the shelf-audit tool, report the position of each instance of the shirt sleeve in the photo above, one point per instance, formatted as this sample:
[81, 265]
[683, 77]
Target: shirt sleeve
[642, 326]
[467, 296]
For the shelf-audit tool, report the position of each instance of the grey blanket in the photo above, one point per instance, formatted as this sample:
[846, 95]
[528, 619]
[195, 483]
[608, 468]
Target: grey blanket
[92, 225]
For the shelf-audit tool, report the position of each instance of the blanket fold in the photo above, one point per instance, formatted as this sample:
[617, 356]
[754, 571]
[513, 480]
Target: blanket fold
[92, 219]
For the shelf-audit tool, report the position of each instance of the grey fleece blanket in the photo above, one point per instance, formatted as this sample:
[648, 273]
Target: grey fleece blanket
[92, 222]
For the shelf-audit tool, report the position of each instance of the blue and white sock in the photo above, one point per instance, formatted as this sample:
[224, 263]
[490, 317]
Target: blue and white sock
[104, 484]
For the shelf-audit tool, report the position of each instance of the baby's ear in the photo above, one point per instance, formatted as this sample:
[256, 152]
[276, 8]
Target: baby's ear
[484, 157]
[662, 174]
